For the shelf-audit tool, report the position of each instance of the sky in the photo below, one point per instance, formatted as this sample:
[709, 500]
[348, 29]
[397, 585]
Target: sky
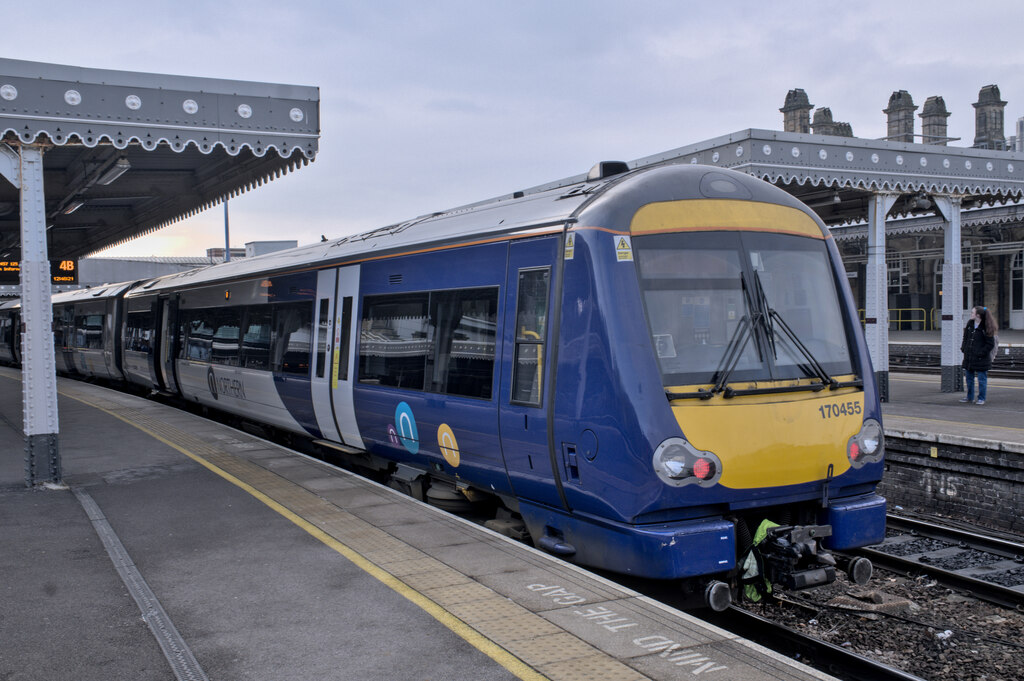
[426, 106]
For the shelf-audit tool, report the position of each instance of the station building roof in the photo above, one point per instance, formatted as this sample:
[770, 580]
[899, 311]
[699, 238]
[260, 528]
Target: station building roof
[836, 176]
[127, 153]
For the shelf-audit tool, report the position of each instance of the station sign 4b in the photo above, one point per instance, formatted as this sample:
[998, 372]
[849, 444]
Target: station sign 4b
[62, 272]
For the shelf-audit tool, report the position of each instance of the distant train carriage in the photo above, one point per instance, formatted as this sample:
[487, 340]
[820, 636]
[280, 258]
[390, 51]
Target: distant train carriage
[87, 331]
[644, 369]
[10, 331]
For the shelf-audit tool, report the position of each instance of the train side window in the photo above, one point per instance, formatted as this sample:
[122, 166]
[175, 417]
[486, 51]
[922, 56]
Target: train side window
[291, 342]
[224, 344]
[531, 332]
[346, 342]
[396, 339]
[199, 341]
[466, 326]
[89, 331]
[256, 339]
[138, 331]
[323, 330]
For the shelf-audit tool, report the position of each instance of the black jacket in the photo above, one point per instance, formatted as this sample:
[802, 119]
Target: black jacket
[977, 348]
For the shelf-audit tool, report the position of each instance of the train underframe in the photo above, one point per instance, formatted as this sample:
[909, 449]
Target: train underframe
[769, 547]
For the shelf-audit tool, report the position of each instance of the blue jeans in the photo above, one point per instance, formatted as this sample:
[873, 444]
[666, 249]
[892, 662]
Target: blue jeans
[982, 384]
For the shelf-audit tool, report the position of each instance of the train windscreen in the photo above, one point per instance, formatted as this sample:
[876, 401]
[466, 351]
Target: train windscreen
[741, 303]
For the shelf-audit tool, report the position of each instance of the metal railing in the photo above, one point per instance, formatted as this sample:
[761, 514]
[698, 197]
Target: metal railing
[900, 316]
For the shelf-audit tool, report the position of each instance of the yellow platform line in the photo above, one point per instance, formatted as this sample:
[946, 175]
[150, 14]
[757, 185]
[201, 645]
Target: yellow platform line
[510, 662]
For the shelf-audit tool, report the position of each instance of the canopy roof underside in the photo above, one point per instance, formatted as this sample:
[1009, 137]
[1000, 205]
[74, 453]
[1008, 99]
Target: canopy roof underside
[127, 153]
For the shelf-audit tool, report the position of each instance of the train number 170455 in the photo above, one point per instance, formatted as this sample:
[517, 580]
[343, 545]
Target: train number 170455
[831, 411]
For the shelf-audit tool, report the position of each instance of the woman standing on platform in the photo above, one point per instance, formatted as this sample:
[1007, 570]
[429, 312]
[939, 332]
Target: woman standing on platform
[979, 340]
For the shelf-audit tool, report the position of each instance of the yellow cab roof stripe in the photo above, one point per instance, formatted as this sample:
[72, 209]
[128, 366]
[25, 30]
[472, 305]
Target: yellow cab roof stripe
[722, 214]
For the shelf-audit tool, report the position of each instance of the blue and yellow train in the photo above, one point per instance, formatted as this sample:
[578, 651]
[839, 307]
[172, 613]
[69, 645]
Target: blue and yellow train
[643, 370]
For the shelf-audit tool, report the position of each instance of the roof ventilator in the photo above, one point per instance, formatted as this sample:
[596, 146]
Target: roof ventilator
[606, 169]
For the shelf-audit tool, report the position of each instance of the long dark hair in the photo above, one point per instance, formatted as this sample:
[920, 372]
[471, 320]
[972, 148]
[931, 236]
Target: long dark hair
[988, 320]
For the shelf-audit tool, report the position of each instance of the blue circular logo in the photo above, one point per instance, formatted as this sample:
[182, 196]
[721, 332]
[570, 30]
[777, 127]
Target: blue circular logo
[405, 423]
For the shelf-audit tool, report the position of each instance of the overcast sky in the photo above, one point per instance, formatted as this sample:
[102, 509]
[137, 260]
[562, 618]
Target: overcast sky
[426, 105]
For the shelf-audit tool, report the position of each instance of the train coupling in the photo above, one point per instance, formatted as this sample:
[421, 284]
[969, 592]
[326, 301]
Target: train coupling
[794, 558]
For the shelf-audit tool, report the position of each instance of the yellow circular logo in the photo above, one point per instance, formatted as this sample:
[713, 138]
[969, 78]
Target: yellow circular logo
[449, 447]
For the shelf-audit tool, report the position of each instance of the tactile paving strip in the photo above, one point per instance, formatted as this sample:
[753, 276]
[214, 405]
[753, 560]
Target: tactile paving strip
[558, 655]
[597, 666]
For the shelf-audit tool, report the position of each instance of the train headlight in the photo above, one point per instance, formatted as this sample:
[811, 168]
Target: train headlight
[867, 446]
[678, 463]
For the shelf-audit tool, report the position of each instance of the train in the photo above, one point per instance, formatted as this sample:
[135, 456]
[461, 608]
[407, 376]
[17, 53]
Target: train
[654, 371]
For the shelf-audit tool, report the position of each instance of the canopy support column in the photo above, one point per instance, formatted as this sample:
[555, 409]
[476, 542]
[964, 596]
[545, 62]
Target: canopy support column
[876, 305]
[952, 295]
[38, 374]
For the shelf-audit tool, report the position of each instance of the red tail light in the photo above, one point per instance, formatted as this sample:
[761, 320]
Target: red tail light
[704, 469]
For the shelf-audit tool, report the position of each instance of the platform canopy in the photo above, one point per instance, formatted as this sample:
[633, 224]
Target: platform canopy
[126, 153]
[837, 176]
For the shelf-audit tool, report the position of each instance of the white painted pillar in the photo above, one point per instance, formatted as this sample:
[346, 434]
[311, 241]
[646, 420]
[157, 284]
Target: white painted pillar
[952, 295]
[38, 372]
[876, 303]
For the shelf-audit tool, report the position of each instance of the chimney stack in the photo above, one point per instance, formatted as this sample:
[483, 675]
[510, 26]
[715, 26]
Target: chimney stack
[823, 123]
[933, 121]
[988, 119]
[901, 117]
[796, 113]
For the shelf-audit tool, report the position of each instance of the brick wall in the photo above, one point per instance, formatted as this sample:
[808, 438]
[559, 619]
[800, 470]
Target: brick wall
[966, 481]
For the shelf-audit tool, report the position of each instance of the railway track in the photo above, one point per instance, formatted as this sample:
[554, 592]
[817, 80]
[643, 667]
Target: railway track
[927, 364]
[988, 568]
[838, 661]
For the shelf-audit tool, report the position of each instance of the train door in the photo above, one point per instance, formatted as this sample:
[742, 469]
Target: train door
[167, 349]
[526, 343]
[326, 286]
[342, 369]
[68, 341]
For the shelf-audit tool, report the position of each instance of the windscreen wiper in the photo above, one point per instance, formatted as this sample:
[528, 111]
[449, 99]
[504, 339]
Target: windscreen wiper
[725, 366]
[766, 312]
[744, 331]
[773, 315]
[823, 376]
[815, 364]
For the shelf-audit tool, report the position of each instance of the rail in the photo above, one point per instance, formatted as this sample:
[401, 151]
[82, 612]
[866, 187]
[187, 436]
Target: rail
[926, 560]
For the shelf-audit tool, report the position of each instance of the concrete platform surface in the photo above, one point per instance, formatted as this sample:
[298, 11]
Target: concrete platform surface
[182, 549]
[920, 410]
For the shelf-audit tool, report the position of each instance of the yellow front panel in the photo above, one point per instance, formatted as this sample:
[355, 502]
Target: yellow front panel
[774, 440]
[722, 214]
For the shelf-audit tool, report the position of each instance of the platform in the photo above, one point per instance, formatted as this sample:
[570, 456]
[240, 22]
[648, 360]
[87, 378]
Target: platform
[918, 409]
[1007, 337]
[184, 549]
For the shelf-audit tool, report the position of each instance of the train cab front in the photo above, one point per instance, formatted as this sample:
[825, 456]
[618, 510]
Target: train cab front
[767, 377]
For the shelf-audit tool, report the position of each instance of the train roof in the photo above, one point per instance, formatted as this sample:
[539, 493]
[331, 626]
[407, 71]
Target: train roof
[540, 208]
[92, 293]
[507, 215]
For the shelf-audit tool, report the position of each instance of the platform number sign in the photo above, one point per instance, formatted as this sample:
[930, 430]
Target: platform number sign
[62, 272]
